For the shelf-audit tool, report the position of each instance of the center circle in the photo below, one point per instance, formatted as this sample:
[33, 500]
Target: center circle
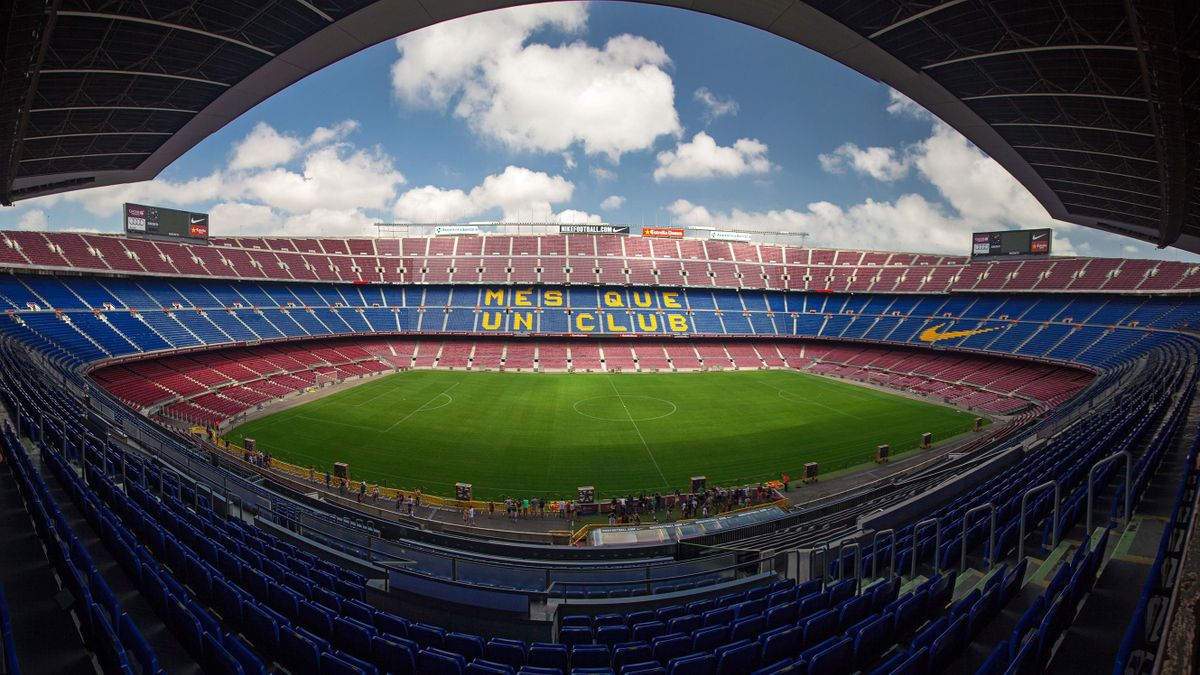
[624, 408]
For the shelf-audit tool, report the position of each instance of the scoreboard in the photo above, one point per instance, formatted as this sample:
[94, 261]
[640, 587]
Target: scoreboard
[1011, 242]
[157, 221]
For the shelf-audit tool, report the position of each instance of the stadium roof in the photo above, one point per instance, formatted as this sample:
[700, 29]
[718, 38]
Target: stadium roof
[1093, 105]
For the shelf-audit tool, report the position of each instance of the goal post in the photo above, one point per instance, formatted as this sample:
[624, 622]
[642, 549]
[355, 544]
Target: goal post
[323, 379]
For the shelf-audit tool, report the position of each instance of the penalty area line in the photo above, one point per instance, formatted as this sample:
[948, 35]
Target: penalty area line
[436, 397]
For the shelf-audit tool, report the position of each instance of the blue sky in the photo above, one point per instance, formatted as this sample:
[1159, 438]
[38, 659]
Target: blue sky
[578, 112]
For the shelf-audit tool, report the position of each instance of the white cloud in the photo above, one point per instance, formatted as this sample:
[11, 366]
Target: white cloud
[520, 194]
[238, 218]
[33, 220]
[883, 164]
[612, 202]
[107, 201]
[333, 177]
[536, 97]
[264, 147]
[910, 224]
[602, 174]
[335, 184]
[714, 106]
[329, 223]
[430, 204]
[703, 158]
[899, 104]
[323, 135]
[573, 217]
[568, 160]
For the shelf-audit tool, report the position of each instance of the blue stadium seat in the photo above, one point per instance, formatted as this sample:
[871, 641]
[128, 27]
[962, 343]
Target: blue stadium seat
[709, 638]
[685, 624]
[548, 655]
[427, 636]
[694, 664]
[612, 635]
[782, 614]
[352, 637]
[747, 628]
[216, 659]
[394, 654]
[836, 658]
[873, 639]
[820, 626]
[485, 667]
[740, 656]
[779, 643]
[645, 668]
[576, 620]
[648, 630]
[433, 661]
[641, 616]
[333, 665]
[299, 654]
[590, 656]
[501, 650]
[668, 647]
[470, 646]
[633, 652]
[665, 614]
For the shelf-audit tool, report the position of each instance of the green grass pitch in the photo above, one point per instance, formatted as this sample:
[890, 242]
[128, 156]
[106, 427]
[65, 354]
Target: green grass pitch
[540, 434]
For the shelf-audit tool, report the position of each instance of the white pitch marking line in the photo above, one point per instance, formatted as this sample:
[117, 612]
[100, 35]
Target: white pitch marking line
[639, 431]
[402, 419]
[787, 396]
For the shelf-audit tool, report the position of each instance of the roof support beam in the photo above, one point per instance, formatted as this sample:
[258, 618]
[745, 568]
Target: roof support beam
[73, 108]
[1153, 195]
[164, 24]
[1029, 50]
[130, 73]
[316, 10]
[1086, 152]
[95, 154]
[1047, 165]
[1071, 126]
[101, 133]
[1108, 210]
[1055, 94]
[32, 76]
[1156, 31]
[915, 17]
[1107, 199]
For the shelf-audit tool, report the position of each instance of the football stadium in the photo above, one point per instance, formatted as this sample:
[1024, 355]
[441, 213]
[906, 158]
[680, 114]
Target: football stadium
[544, 448]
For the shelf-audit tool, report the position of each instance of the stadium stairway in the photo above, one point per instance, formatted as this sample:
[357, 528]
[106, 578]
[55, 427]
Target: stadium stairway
[46, 636]
[172, 657]
[1092, 641]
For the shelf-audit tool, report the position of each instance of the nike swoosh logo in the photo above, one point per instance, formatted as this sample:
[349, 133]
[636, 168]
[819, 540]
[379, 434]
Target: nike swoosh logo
[932, 334]
[194, 221]
[1038, 236]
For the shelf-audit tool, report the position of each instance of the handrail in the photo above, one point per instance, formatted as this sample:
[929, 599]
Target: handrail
[891, 533]
[1024, 501]
[991, 509]
[1121, 454]
[857, 548]
[937, 543]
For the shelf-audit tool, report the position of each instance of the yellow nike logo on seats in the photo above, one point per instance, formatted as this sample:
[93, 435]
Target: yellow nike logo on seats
[932, 334]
